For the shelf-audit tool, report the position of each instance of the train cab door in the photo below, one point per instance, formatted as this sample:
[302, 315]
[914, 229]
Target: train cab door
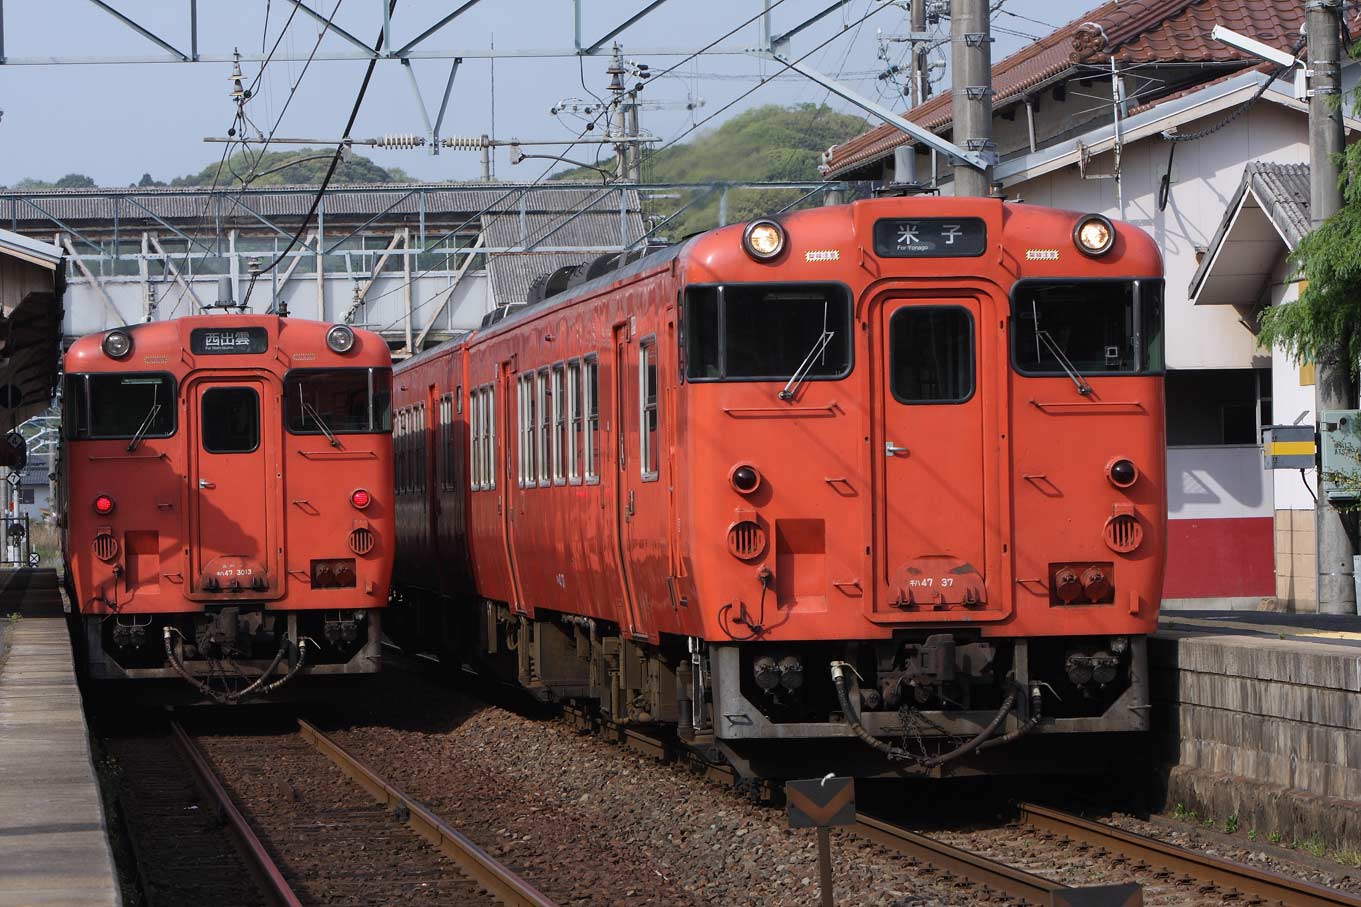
[234, 487]
[931, 515]
[636, 475]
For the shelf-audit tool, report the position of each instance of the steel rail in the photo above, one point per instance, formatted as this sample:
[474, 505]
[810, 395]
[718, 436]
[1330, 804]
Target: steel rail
[1229, 877]
[997, 876]
[267, 875]
[495, 877]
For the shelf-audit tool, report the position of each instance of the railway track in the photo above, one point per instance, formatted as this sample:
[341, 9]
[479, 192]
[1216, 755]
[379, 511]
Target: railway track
[1213, 879]
[305, 835]
[1233, 882]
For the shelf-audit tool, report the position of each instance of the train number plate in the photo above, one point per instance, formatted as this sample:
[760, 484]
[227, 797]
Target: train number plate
[228, 341]
[930, 237]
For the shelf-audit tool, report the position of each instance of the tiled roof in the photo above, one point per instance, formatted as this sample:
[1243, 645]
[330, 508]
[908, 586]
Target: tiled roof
[1133, 31]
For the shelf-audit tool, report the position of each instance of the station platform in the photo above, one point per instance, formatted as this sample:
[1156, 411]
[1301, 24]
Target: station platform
[54, 847]
[1259, 717]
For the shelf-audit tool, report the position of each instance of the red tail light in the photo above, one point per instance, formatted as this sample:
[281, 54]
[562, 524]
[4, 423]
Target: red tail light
[103, 505]
[360, 498]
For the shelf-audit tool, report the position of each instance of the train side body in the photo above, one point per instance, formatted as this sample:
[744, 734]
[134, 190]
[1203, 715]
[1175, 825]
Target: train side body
[675, 511]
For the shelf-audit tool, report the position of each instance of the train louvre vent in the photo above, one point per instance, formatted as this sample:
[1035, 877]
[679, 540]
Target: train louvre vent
[361, 540]
[105, 547]
[1123, 533]
[746, 540]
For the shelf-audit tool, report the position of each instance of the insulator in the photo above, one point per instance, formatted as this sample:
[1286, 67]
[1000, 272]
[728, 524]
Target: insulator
[400, 140]
[464, 142]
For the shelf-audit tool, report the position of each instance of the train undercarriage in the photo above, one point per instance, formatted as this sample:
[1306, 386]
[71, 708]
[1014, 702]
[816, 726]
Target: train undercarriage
[928, 702]
[230, 653]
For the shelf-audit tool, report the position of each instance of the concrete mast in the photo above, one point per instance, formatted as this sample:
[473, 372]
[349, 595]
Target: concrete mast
[971, 95]
[1332, 386]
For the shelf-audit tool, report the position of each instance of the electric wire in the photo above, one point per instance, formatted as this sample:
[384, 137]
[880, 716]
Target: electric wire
[522, 191]
[335, 160]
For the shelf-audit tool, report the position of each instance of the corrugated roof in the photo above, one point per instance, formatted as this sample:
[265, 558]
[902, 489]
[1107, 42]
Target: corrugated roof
[441, 200]
[1133, 31]
[1281, 192]
[597, 226]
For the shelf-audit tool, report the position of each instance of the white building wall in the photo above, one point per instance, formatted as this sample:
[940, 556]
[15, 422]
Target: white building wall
[1205, 175]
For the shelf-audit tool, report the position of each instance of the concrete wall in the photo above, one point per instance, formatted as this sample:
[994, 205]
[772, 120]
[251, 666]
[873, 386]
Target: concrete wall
[1268, 730]
[1219, 528]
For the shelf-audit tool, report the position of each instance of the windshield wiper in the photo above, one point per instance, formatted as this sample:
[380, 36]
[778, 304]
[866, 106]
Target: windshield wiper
[308, 410]
[1083, 387]
[800, 373]
[144, 427]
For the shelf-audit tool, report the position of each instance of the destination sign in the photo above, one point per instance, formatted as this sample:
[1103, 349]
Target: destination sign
[228, 341]
[930, 237]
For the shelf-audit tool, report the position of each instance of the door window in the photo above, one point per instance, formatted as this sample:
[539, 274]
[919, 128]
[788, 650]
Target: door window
[231, 420]
[931, 354]
[647, 398]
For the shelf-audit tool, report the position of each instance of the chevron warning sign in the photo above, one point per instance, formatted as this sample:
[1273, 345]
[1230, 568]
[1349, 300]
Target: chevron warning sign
[1127, 895]
[820, 802]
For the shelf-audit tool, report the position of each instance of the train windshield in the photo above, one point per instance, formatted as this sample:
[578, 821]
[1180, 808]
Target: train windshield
[767, 332]
[119, 406]
[1087, 327]
[338, 401]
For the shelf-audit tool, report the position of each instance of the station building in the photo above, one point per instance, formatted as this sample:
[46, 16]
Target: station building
[1133, 111]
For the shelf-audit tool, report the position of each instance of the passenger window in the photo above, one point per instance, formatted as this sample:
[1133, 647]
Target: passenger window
[531, 432]
[231, 420]
[489, 438]
[647, 398]
[931, 354]
[590, 388]
[545, 425]
[574, 415]
[559, 425]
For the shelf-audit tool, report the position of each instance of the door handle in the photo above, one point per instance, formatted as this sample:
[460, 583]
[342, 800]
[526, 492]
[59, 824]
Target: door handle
[892, 450]
[629, 512]
[204, 483]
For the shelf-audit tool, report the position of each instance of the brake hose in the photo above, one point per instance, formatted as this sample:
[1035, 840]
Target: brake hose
[839, 670]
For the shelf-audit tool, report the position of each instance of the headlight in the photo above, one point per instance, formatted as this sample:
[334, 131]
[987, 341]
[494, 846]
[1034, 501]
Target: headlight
[340, 338]
[117, 344]
[1094, 234]
[763, 239]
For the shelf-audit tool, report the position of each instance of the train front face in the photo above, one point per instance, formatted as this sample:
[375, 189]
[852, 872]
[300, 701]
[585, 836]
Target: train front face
[228, 495]
[930, 504]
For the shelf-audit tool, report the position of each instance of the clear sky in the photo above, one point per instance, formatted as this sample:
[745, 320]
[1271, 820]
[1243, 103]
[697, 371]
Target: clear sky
[116, 122]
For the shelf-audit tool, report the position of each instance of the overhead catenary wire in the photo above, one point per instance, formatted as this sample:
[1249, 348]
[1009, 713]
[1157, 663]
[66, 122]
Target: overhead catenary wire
[335, 162]
[522, 191]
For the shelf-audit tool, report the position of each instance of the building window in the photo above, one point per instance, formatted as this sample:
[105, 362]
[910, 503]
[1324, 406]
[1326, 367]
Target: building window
[1217, 407]
[647, 406]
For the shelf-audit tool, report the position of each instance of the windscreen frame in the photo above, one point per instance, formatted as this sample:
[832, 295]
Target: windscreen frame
[74, 431]
[683, 334]
[286, 411]
[1139, 341]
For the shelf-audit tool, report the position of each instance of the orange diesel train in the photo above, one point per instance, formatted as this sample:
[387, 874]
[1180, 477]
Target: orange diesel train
[228, 494]
[878, 485]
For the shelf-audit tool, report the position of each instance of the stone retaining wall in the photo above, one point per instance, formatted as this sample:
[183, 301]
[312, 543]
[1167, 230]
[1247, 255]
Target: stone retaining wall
[1265, 730]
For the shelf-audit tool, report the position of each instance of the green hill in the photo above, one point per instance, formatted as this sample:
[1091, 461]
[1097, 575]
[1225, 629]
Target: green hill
[302, 166]
[764, 143]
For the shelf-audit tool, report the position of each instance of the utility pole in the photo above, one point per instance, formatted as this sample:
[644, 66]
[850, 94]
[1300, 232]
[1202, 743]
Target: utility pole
[1332, 391]
[618, 130]
[971, 101]
[917, 90]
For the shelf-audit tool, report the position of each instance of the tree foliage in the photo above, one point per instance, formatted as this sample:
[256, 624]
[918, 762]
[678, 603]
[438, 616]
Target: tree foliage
[765, 143]
[302, 166]
[1326, 318]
